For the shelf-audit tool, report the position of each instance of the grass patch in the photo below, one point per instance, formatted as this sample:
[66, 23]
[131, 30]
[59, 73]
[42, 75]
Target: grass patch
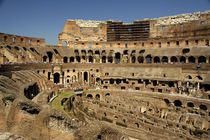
[57, 101]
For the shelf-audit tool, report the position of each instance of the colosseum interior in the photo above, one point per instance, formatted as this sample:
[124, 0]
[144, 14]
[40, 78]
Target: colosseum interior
[109, 80]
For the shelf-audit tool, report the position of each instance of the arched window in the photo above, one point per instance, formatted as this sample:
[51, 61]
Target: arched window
[141, 59]
[156, 59]
[148, 59]
[182, 59]
[117, 58]
[90, 59]
[203, 107]
[191, 59]
[190, 104]
[71, 59]
[201, 59]
[56, 78]
[173, 59]
[65, 60]
[103, 59]
[133, 60]
[64, 43]
[178, 103]
[110, 59]
[165, 59]
[44, 58]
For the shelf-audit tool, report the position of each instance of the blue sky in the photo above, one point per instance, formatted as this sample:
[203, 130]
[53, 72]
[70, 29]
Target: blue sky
[46, 18]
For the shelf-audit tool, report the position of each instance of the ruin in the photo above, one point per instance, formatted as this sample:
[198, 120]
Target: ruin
[149, 79]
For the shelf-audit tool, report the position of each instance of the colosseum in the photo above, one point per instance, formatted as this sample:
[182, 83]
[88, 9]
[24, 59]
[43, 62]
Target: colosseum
[109, 80]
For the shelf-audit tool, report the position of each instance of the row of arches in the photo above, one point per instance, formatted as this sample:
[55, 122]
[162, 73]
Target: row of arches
[135, 59]
[179, 103]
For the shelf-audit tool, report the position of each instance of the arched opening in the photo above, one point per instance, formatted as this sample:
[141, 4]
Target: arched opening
[90, 59]
[110, 59]
[189, 77]
[111, 81]
[191, 59]
[186, 50]
[141, 59]
[201, 59]
[85, 76]
[50, 55]
[107, 94]
[117, 58]
[97, 96]
[44, 58]
[165, 59]
[199, 78]
[133, 60]
[118, 81]
[177, 103]
[173, 59]
[78, 59]
[148, 59]
[203, 107]
[65, 60]
[71, 59]
[182, 59]
[166, 101]
[103, 59]
[90, 96]
[64, 43]
[190, 104]
[156, 59]
[137, 125]
[56, 78]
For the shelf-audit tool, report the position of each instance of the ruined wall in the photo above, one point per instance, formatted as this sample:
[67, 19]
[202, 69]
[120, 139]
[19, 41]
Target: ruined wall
[80, 30]
[181, 26]
[21, 40]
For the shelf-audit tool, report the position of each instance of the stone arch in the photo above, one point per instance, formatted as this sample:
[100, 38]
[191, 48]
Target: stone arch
[133, 59]
[90, 59]
[90, 96]
[85, 76]
[174, 59]
[107, 94]
[50, 56]
[71, 59]
[182, 59]
[64, 43]
[97, 96]
[164, 59]
[198, 77]
[56, 77]
[190, 104]
[103, 59]
[45, 58]
[78, 59]
[203, 107]
[141, 59]
[191, 59]
[117, 58]
[201, 59]
[178, 103]
[65, 59]
[110, 59]
[156, 59]
[166, 101]
[148, 59]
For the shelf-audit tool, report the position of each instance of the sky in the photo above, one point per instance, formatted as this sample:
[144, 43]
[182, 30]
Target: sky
[46, 18]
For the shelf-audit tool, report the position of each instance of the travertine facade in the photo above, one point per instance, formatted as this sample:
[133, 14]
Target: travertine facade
[149, 79]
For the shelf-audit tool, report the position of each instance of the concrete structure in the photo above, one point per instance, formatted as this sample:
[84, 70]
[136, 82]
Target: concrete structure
[150, 78]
